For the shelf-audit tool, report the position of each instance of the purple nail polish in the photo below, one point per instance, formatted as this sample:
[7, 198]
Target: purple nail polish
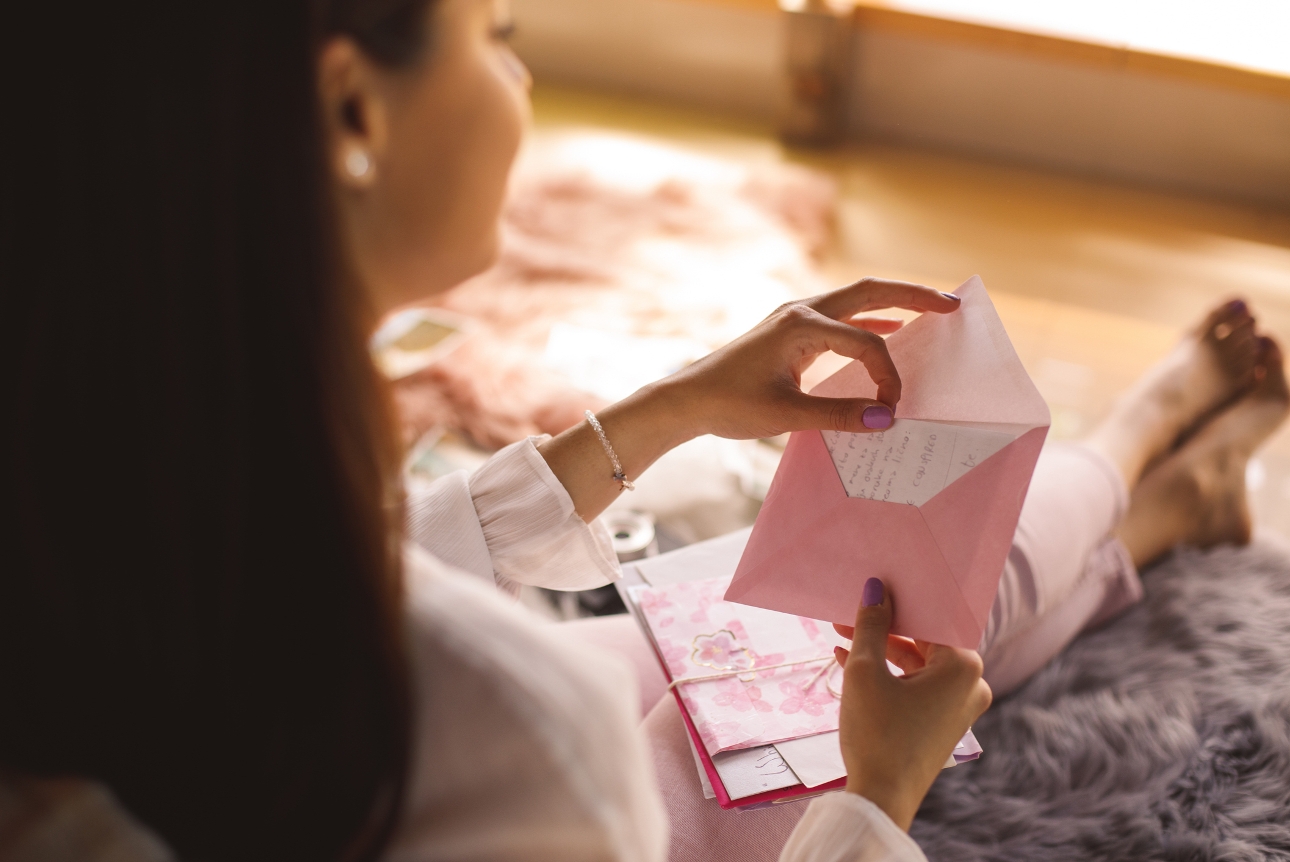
[952, 296]
[877, 417]
[1237, 305]
[872, 594]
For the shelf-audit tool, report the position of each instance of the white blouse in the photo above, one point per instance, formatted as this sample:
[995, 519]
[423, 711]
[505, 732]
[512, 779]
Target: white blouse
[526, 743]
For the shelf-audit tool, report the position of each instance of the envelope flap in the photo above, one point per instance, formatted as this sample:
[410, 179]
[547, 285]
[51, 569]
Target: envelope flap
[972, 375]
[973, 520]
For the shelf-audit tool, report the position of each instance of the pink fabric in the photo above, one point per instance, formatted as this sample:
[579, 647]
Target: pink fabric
[621, 634]
[1064, 574]
[581, 244]
[702, 831]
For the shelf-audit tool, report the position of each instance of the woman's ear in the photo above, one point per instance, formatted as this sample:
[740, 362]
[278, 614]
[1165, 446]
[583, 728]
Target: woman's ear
[355, 113]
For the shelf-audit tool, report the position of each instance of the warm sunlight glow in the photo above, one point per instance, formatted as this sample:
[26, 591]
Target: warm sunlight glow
[1247, 33]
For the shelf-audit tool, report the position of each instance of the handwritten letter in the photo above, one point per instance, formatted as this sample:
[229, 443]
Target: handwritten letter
[912, 461]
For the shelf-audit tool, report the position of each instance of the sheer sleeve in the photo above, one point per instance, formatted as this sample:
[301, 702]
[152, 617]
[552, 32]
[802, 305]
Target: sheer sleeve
[512, 522]
[844, 827]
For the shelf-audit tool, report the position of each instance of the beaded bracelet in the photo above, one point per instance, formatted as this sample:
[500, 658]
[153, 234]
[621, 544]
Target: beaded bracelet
[619, 476]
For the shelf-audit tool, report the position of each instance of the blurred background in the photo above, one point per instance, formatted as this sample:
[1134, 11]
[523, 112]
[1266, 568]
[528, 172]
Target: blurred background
[1110, 169]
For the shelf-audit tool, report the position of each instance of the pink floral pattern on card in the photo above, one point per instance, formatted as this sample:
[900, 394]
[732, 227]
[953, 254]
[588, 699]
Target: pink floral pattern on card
[721, 651]
[675, 655]
[653, 603]
[721, 646]
[799, 698]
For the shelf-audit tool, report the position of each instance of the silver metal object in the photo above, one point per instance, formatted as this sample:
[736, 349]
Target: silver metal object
[632, 534]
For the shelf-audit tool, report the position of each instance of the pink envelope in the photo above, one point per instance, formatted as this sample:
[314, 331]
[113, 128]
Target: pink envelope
[814, 545]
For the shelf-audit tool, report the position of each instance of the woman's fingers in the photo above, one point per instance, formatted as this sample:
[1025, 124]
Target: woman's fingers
[901, 651]
[903, 654]
[752, 386]
[952, 659]
[873, 622]
[823, 333]
[876, 325]
[981, 698]
[959, 668]
[870, 293]
[858, 415]
[895, 734]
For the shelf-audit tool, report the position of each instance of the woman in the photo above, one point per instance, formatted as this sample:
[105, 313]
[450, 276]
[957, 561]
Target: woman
[207, 607]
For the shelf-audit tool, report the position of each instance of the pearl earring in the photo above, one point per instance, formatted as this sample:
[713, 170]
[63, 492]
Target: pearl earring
[358, 164]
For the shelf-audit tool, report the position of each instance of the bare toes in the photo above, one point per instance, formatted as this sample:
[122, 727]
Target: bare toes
[1225, 317]
[1270, 371]
[1234, 341]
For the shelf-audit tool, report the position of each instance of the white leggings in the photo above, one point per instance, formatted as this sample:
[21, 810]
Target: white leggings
[1065, 572]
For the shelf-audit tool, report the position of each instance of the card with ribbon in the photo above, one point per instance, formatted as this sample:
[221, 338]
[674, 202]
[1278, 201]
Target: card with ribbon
[676, 598]
[747, 676]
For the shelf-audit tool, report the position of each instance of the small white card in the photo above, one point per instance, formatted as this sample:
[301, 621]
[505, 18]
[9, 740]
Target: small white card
[913, 460]
[750, 771]
[815, 759]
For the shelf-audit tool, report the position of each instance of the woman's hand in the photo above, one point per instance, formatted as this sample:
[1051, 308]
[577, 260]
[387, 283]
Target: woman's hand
[749, 388]
[752, 386]
[897, 732]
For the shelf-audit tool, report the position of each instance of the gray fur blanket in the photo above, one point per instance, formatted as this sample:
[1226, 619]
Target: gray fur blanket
[1164, 735]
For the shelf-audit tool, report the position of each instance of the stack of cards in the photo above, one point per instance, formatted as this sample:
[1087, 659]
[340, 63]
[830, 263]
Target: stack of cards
[759, 690]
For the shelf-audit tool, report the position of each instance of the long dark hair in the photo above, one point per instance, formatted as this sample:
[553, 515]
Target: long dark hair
[199, 596]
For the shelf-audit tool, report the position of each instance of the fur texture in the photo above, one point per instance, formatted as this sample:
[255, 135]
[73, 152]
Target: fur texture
[1162, 735]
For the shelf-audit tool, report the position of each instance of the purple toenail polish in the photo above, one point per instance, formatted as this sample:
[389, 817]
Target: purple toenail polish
[872, 593]
[1238, 306]
[952, 296]
[877, 417]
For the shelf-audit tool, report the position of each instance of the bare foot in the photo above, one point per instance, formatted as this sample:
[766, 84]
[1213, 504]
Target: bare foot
[1196, 496]
[1211, 367]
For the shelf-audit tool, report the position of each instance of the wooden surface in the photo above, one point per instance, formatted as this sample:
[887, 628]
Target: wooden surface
[1093, 281]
